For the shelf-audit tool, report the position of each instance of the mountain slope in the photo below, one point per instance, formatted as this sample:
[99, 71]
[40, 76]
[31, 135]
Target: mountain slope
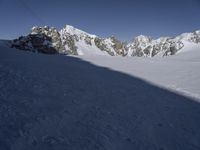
[60, 102]
[85, 43]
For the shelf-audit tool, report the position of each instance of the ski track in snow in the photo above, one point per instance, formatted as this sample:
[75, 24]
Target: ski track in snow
[58, 103]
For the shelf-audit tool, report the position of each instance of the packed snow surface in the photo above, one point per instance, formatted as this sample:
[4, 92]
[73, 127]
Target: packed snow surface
[54, 102]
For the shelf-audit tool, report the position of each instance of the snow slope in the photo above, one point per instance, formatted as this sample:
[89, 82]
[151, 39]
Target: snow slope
[53, 102]
[68, 29]
[179, 72]
[89, 50]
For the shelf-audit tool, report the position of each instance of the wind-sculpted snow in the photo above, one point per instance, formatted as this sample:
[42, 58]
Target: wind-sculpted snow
[50, 102]
[72, 41]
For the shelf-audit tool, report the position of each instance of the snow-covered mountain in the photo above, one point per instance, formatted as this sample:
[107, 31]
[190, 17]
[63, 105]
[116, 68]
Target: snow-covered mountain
[69, 40]
[73, 41]
[79, 42]
[164, 46]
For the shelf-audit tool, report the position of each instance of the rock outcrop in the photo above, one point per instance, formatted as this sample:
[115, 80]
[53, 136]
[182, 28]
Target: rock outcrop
[41, 39]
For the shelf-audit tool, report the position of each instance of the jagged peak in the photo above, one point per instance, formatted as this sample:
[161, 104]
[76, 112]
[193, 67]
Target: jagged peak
[143, 37]
[197, 31]
[44, 29]
[75, 31]
[161, 39]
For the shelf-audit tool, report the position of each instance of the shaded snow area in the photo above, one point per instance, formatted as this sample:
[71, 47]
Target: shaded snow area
[54, 102]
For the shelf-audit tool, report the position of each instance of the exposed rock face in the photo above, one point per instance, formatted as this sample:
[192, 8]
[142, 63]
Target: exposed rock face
[42, 39]
[171, 47]
[52, 33]
[147, 47]
[158, 46]
[101, 44]
[72, 41]
[197, 36]
[119, 47]
[68, 42]
[139, 46]
[35, 43]
[88, 40]
[112, 46]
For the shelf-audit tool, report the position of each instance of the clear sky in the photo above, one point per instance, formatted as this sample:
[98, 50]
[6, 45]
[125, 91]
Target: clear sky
[124, 19]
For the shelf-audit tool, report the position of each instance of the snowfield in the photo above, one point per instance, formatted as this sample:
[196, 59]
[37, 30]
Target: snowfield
[178, 73]
[57, 102]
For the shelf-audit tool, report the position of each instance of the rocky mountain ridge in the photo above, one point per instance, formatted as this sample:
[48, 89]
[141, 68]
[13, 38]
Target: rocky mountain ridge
[72, 41]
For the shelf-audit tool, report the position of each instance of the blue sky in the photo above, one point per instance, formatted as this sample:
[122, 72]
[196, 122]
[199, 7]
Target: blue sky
[124, 19]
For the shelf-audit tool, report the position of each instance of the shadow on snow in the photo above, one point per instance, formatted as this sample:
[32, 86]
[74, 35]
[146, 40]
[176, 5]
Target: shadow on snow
[58, 102]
